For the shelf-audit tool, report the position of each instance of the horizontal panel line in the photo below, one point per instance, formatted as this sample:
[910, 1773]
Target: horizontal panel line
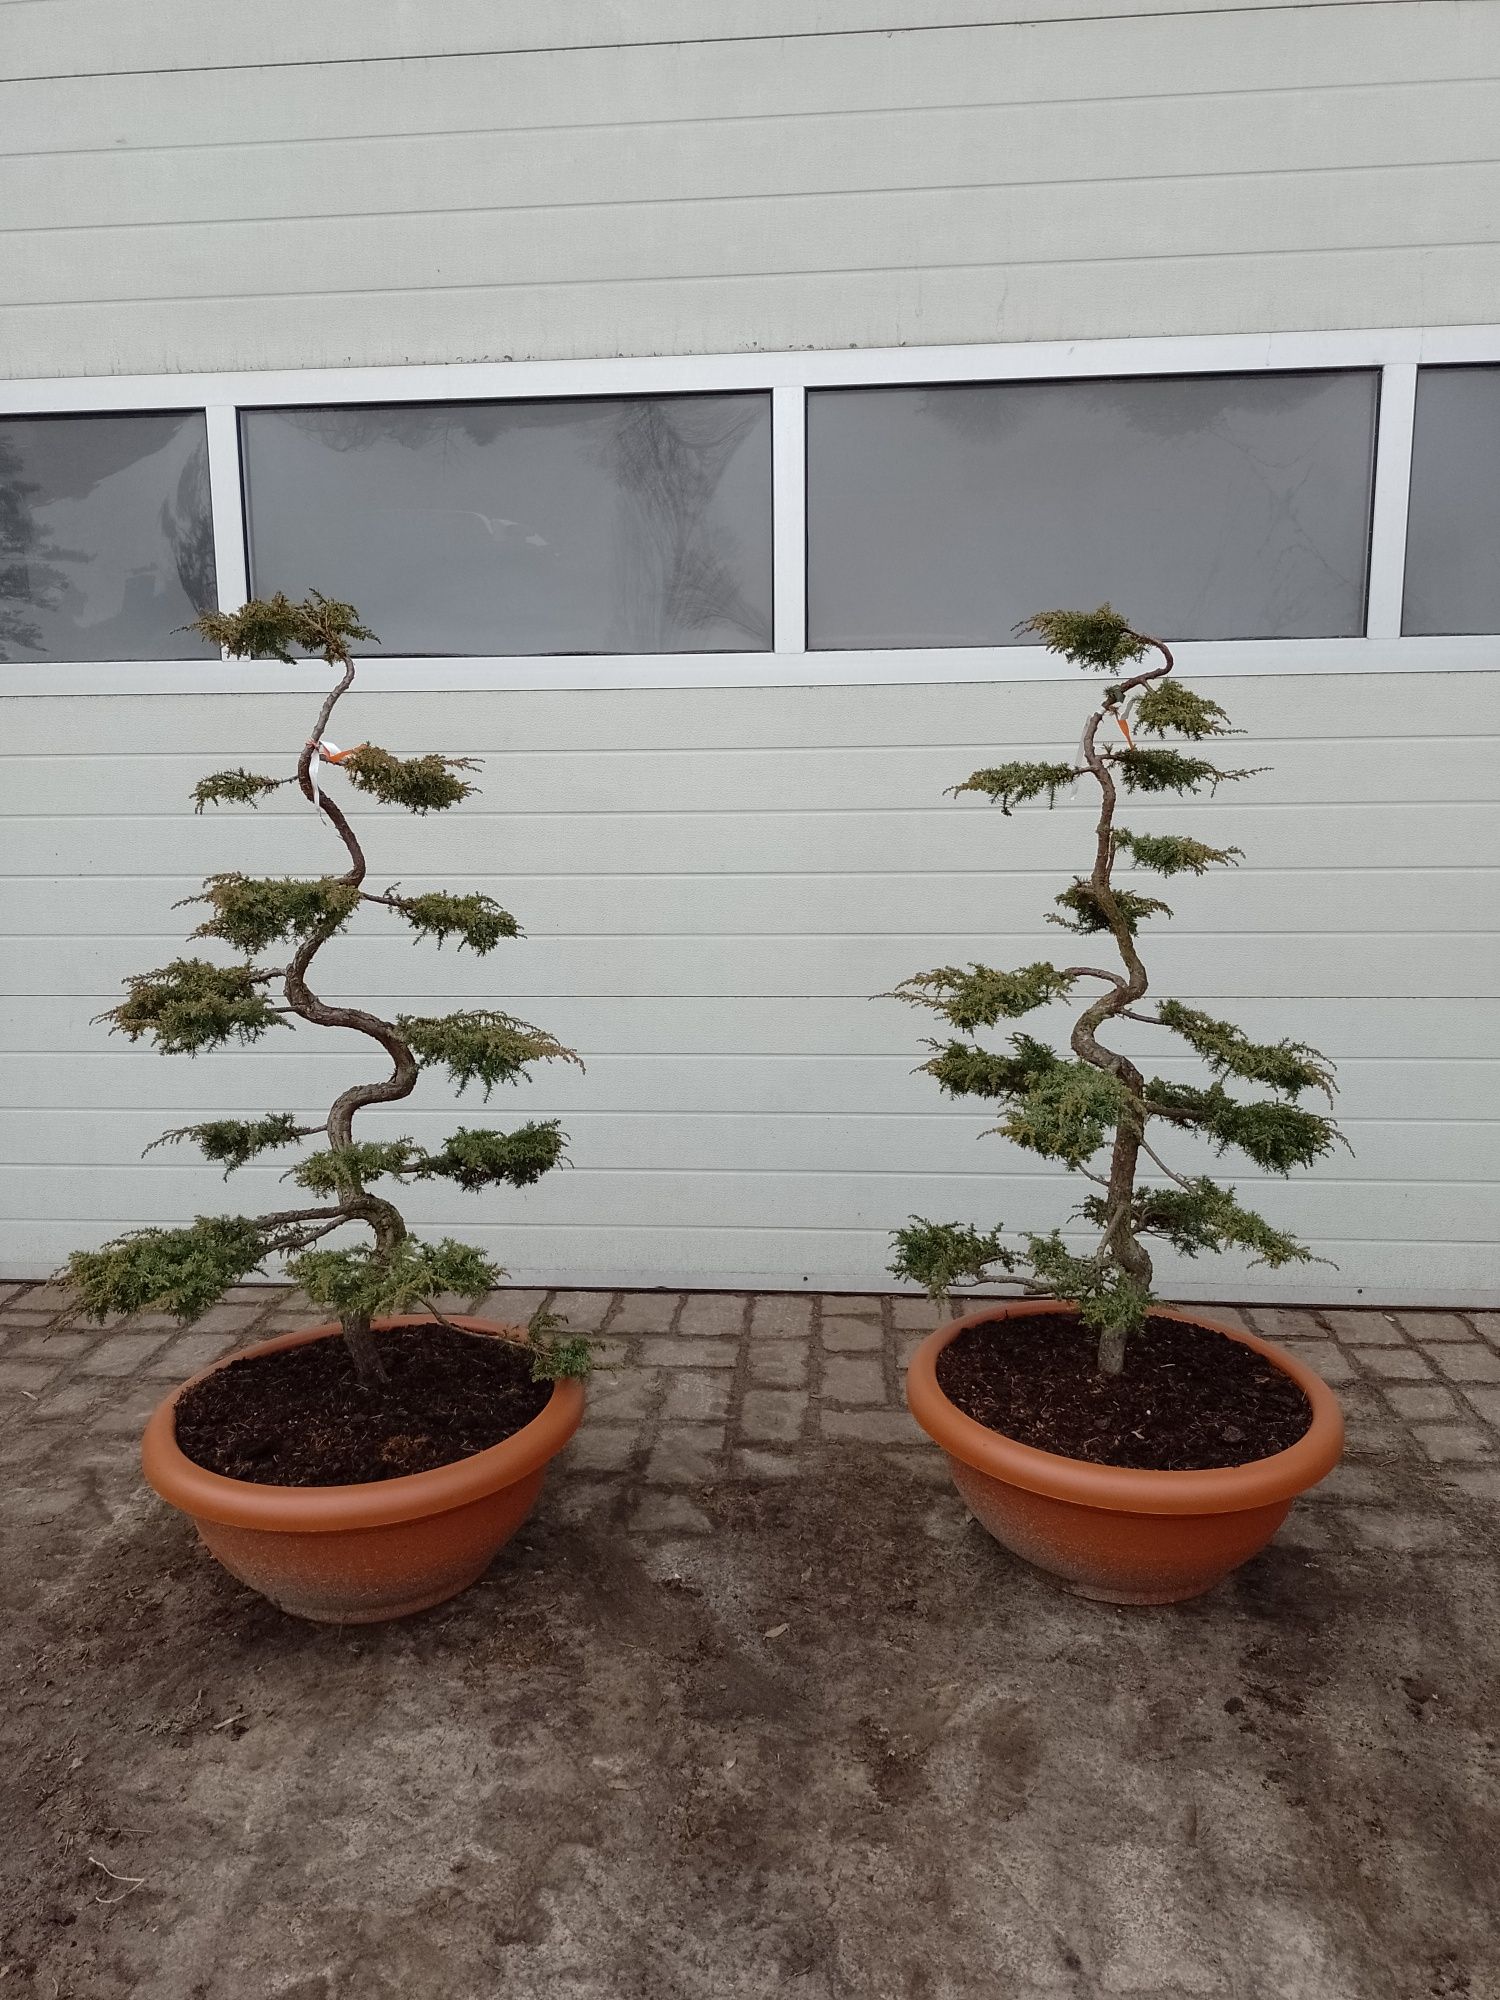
[778, 875]
[820, 1117]
[787, 1173]
[1244, 746]
[782, 198]
[1325, 251]
[679, 41]
[19, 1227]
[804, 812]
[823, 114]
[645, 1055]
[822, 936]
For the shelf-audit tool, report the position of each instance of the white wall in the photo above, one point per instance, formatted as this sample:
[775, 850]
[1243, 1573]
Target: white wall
[279, 185]
[713, 881]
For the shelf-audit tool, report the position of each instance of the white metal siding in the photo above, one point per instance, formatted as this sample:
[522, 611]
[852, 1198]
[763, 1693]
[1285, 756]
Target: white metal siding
[713, 881]
[280, 186]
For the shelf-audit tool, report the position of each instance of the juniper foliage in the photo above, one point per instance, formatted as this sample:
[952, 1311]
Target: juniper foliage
[1093, 1109]
[195, 1004]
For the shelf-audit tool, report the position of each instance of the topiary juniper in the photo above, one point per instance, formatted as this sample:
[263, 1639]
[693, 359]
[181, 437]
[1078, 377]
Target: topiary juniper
[1099, 1101]
[195, 1004]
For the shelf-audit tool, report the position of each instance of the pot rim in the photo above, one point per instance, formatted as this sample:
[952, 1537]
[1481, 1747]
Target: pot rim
[1118, 1488]
[376, 1503]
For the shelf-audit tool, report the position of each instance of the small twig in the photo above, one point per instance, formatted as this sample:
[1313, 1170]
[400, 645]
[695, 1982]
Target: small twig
[133, 1883]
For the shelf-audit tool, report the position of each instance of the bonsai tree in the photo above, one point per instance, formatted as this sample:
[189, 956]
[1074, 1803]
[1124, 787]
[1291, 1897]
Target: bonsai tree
[199, 1003]
[1095, 1110]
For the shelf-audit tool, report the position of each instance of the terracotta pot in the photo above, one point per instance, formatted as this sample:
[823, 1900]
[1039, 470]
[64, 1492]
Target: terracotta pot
[1111, 1532]
[353, 1555]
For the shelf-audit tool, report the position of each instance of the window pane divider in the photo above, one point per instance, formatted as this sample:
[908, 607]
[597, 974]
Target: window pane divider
[1393, 442]
[231, 566]
[789, 518]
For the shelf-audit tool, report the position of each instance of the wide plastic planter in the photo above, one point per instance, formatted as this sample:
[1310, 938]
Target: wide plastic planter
[1112, 1532]
[354, 1555]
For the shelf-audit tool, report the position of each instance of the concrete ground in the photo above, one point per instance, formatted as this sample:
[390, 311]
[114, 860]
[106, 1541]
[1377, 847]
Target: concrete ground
[750, 1709]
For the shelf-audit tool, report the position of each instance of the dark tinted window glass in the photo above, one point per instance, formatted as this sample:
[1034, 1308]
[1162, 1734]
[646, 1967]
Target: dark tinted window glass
[1223, 507]
[106, 537]
[1453, 528]
[639, 525]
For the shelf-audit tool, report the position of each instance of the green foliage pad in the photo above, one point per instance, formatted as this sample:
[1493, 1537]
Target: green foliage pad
[1093, 1110]
[194, 1004]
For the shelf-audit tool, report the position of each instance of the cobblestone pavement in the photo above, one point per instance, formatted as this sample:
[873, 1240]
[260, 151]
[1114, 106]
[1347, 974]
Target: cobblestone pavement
[693, 1390]
[750, 1710]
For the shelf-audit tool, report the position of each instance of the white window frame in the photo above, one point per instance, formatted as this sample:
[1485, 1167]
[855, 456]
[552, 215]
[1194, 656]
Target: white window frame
[1396, 352]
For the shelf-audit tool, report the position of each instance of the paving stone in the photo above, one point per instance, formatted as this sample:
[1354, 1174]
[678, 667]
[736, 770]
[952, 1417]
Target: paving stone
[1423, 1401]
[1487, 1326]
[695, 1396]
[906, 1346]
[1467, 1364]
[625, 1397]
[915, 1314]
[227, 1318]
[772, 1416]
[190, 1352]
[1487, 1403]
[673, 1351]
[7, 1292]
[602, 1448]
[510, 1306]
[1229, 1316]
[580, 1501]
[1330, 1361]
[22, 1378]
[687, 1455]
[1304, 1529]
[121, 1354]
[76, 1398]
[850, 1378]
[50, 1298]
[646, 1312]
[929, 1467]
[583, 1312]
[869, 1427]
[837, 1306]
[1393, 1528]
[54, 1346]
[669, 1514]
[260, 1296]
[781, 1317]
[1366, 1329]
[1478, 1484]
[1395, 1364]
[1351, 1482]
[713, 1314]
[1445, 1442]
[1278, 1323]
[761, 1467]
[40, 1506]
[22, 1444]
[127, 1417]
[18, 1320]
[852, 1336]
[1435, 1326]
[779, 1364]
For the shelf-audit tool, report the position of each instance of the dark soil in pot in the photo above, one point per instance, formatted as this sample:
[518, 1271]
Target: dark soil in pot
[1189, 1399]
[300, 1417]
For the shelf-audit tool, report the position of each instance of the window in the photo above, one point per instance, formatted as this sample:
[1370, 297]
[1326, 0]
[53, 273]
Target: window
[1453, 525]
[106, 537]
[1210, 507]
[607, 525]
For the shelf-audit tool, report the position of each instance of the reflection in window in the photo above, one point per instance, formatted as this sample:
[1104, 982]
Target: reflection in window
[629, 525]
[106, 537]
[1219, 507]
[1453, 528]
